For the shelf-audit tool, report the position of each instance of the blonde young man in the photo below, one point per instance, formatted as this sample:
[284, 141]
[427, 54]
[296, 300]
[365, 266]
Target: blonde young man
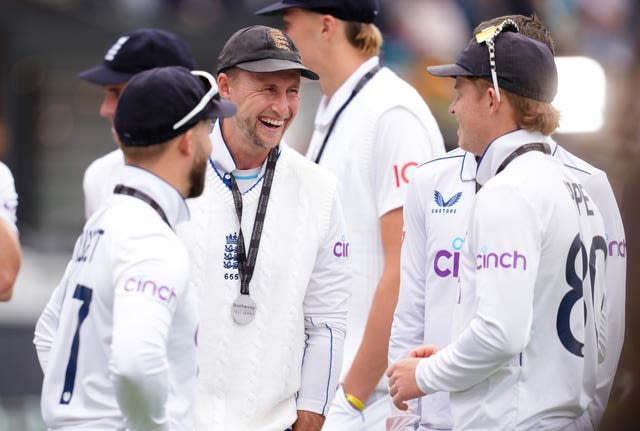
[439, 202]
[266, 240]
[371, 130]
[530, 324]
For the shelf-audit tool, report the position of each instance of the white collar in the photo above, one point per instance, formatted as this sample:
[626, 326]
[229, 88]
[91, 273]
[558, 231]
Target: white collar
[169, 199]
[222, 161]
[326, 111]
[500, 149]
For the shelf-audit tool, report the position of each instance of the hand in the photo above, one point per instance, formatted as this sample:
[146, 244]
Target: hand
[308, 421]
[423, 351]
[402, 382]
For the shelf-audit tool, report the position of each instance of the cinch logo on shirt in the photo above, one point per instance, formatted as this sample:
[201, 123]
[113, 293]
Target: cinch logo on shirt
[341, 248]
[400, 173]
[447, 262]
[618, 248]
[151, 288]
[445, 205]
[507, 259]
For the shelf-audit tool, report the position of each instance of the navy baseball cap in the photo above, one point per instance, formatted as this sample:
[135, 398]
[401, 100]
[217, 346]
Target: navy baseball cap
[139, 50]
[523, 66]
[348, 10]
[162, 103]
[262, 49]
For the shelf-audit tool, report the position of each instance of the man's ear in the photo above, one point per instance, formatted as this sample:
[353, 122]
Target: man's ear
[492, 98]
[186, 143]
[329, 25]
[224, 87]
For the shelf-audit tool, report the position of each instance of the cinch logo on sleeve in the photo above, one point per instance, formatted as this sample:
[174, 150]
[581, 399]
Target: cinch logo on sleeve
[151, 288]
[113, 51]
[447, 262]
[617, 248]
[506, 259]
[401, 174]
[445, 206]
[341, 248]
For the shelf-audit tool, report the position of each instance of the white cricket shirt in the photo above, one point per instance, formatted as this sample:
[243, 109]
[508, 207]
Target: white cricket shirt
[522, 356]
[439, 201]
[255, 377]
[8, 197]
[117, 340]
[380, 137]
[100, 178]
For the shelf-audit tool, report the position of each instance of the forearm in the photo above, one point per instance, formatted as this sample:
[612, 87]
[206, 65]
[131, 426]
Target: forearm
[10, 260]
[370, 361]
[308, 421]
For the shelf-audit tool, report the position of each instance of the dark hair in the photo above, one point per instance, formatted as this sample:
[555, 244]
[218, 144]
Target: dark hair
[530, 26]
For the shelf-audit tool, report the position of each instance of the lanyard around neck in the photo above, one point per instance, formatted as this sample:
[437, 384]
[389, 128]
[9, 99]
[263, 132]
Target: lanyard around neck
[121, 189]
[534, 146]
[363, 81]
[247, 261]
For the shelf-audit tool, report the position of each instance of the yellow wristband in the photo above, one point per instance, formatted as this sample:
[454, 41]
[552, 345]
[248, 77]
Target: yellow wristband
[354, 401]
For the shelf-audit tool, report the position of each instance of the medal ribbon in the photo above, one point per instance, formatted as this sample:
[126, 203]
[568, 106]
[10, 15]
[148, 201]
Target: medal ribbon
[247, 261]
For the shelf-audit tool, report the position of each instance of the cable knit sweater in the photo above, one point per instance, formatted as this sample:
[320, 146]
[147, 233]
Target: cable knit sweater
[249, 376]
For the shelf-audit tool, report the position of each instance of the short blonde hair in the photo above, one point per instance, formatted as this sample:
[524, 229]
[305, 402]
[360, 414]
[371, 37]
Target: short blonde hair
[366, 37]
[530, 114]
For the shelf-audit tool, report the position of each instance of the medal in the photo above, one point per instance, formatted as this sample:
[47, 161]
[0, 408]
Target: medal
[243, 309]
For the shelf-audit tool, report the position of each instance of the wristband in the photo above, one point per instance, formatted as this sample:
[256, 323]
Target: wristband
[354, 401]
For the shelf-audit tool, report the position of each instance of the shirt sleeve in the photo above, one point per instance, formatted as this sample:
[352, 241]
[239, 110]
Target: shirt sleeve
[150, 278]
[402, 143]
[407, 331]
[47, 324]
[325, 320]
[8, 197]
[500, 326]
[600, 191]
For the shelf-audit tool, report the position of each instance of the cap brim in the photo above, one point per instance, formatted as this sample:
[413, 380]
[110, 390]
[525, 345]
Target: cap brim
[221, 109]
[102, 75]
[280, 6]
[276, 65]
[451, 70]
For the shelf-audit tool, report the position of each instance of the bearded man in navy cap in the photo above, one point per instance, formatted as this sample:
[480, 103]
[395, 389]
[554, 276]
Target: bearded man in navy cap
[117, 340]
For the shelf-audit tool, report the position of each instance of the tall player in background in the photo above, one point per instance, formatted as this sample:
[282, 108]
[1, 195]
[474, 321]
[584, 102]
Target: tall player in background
[10, 254]
[371, 129]
[131, 53]
[117, 340]
[438, 206]
[519, 357]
